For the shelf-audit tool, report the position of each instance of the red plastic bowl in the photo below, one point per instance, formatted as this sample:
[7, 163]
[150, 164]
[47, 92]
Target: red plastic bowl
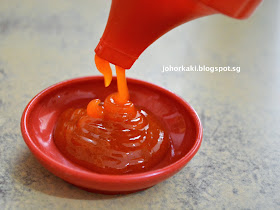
[40, 115]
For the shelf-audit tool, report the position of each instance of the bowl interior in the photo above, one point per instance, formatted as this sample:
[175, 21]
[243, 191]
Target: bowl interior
[178, 117]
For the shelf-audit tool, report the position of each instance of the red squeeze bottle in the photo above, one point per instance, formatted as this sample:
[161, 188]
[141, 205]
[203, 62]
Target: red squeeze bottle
[135, 24]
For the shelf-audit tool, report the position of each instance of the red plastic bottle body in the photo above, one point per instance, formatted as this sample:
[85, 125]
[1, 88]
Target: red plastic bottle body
[240, 9]
[135, 24]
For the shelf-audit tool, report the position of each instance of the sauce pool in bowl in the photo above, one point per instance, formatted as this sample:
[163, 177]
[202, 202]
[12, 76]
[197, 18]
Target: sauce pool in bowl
[114, 136]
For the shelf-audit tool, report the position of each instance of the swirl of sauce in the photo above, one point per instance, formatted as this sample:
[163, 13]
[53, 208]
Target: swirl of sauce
[113, 137]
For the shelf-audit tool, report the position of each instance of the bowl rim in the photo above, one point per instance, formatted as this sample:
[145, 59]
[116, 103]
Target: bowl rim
[105, 178]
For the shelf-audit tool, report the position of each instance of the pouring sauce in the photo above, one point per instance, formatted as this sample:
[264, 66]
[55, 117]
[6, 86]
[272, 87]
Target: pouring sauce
[114, 136]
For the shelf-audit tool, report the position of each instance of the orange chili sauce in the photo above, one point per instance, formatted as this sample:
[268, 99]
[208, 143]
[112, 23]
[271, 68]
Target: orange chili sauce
[114, 136]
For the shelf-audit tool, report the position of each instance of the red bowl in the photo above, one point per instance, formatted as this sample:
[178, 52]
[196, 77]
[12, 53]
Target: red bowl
[40, 115]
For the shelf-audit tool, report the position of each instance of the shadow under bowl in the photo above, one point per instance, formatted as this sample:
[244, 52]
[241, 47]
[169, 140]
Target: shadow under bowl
[40, 116]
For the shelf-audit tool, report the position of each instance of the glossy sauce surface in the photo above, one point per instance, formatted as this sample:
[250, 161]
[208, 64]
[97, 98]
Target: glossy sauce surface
[114, 136]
